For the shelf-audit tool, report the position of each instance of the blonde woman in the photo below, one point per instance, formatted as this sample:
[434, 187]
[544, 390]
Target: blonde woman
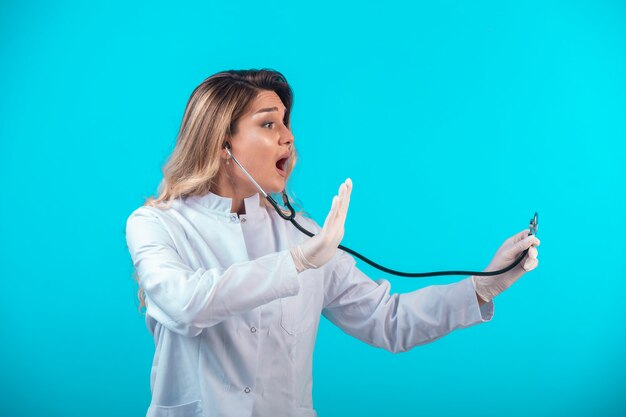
[234, 293]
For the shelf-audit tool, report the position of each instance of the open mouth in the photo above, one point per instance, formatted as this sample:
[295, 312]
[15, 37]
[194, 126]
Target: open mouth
[281, 163]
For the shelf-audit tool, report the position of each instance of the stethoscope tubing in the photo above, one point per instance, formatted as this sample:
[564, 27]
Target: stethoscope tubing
[292, 215]
[291, 218]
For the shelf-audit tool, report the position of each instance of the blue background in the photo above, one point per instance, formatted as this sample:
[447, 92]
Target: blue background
[456, 121]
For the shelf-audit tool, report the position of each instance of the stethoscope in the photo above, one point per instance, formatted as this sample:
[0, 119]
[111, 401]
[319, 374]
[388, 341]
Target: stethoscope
[291, 217]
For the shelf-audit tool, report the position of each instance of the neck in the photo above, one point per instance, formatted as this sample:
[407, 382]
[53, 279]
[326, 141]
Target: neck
[224, 189]
[238, 206]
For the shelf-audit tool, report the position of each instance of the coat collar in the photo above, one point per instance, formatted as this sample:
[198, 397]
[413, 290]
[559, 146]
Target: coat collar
[223, 205]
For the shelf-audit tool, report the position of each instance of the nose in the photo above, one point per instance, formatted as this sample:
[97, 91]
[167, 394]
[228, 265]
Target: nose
[286, 136]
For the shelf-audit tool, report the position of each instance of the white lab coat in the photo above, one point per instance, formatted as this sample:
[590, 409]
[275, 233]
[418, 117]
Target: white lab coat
[234, 324]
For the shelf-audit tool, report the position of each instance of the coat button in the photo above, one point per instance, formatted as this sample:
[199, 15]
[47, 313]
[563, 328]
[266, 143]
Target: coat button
[243, 220]
[233, 217]
[253, 329]
[247, 390]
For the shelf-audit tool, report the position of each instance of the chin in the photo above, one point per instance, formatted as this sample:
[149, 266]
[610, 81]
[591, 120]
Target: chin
[276, 190]
[277, 187]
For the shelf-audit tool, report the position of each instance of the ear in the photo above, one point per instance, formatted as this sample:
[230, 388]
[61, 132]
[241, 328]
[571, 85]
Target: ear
[225, 154]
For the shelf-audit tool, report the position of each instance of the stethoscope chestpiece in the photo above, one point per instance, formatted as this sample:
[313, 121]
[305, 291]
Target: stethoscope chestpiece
[534, 224]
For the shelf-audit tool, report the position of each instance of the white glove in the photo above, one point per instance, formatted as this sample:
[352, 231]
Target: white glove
[318, 250]
[490, 286]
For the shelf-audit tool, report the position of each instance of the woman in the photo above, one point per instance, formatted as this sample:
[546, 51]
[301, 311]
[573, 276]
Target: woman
[234, 293]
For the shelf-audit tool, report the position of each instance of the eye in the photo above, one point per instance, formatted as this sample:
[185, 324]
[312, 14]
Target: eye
[271, 123]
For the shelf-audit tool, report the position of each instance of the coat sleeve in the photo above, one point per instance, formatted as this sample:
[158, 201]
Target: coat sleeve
[365, 309]
[186, 300]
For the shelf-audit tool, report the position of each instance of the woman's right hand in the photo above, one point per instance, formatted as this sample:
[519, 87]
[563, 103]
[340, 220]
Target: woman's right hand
[487, 287]
[318, 250]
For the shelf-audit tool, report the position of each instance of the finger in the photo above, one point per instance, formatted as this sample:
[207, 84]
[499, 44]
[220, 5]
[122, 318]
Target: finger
[333, 209]
[331, 213]
[346, 199]
[341, 196]
[331, 219]
[524, 234]
[525, 243]
[532, 252]
[348, 183]
[520, 246]
[520, 236]
[530, 264]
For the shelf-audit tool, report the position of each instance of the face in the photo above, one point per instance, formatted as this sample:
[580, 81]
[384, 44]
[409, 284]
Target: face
[262, 139]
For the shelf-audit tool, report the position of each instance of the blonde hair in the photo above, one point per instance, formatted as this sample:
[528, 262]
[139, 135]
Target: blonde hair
[209, 120]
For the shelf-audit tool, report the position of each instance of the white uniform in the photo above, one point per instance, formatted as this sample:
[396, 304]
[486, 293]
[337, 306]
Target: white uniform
[234, 324]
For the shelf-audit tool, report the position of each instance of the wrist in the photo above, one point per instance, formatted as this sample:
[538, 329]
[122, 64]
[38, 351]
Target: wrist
[480, 295]
[300, 260]
[480, 300]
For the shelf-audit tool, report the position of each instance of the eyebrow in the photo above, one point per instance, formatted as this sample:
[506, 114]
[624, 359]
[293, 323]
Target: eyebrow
[267, 109]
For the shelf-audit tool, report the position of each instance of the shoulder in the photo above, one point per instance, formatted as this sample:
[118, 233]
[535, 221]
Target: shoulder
[143, 213]
[150, 228]
[151, 216]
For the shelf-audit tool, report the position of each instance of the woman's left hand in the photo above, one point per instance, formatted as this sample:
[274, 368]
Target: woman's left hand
[487, 287]
[320, 248]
